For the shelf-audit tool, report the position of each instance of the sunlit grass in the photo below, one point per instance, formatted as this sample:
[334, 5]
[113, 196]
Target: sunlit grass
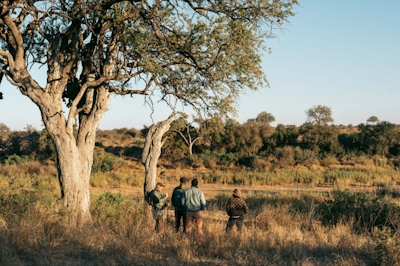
[122, 234]
[281, 228]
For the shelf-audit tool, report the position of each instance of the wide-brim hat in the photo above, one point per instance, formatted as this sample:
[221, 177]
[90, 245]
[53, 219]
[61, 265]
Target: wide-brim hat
[160, 184]
[237, 193]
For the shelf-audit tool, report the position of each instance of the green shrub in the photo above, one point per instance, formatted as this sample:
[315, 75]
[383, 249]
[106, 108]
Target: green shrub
[246, 161]
[261, 163]
[285, 157]
[195, 161]
[360, 208]
[396, 162]
[227, 159]
[212, 159]
[305, 157]
[104, 161]
[111, 208]
[13, 207]
[16, 159]
[387, 247]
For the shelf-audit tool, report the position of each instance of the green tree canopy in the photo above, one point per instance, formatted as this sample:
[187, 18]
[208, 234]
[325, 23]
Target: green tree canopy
[319, 115]
[379, 138]
[372, 120]
[265, 118]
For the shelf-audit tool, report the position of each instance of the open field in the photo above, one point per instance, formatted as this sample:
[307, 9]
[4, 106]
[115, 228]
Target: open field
[213, 190]
[305, 218]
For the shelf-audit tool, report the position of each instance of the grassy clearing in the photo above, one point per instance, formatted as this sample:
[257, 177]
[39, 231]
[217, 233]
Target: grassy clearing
[282, 228]
[123, 235]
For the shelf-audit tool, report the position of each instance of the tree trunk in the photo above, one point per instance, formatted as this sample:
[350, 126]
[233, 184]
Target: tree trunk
[152, 151]
[191, 148]
[74, 168]
[74, 152]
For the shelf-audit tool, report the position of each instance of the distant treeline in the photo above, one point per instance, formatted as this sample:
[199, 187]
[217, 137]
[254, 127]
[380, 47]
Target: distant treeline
[217, 143]
[256, 144]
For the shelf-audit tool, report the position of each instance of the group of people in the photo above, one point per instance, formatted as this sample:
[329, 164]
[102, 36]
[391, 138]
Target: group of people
[189, 204]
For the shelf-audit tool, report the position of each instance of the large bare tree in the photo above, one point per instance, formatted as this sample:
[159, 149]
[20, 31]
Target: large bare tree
[203, 53]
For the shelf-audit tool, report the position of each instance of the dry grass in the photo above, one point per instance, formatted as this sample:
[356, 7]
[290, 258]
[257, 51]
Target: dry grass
[280, 229]
[279, 238]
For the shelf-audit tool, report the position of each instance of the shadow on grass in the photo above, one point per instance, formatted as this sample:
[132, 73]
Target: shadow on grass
[236, 251]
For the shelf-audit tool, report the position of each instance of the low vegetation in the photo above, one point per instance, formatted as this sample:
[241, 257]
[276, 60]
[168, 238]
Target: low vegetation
[339, 226]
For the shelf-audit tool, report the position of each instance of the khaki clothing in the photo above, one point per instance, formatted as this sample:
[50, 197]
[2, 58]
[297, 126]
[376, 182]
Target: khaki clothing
[159, 200]
[157, 214]
[197, 219]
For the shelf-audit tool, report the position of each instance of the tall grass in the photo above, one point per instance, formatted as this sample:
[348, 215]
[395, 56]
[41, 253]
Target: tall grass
[42, 238]
[339, 177]
[281, 229]
[286, 228]
[278, 177]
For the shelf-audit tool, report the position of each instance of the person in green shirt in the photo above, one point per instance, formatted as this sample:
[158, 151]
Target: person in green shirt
[159, 203]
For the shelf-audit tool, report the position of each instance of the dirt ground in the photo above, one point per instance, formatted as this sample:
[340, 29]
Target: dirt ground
[212, 190]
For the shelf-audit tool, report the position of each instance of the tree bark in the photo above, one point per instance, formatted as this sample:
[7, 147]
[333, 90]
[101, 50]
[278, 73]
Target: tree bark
[74, 167]
[152, 151]
[74, 152]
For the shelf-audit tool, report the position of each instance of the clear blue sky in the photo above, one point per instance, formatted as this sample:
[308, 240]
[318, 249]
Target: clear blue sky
[343, 54]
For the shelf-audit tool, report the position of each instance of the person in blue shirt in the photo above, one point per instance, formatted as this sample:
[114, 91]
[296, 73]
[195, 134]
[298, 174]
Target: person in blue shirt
[194, 203]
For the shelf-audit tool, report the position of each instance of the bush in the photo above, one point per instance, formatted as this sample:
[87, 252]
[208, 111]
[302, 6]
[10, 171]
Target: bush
[285, 156]
[363, 210]
[195, 161]
[246, 161]
[329, 161]
[16, 159]
[388, 247]
[305, 157]
[104, 161]
[13, 207]
[227, 159]
[113, 208]
[396, 162]
[261, 163]
[210, 159]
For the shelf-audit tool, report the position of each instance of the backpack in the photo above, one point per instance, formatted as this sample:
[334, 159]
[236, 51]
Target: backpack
[177, 197]
[148, 197]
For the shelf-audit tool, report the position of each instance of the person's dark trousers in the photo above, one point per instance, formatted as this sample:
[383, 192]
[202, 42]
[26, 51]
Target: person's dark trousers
[235, 221]
[180, 215]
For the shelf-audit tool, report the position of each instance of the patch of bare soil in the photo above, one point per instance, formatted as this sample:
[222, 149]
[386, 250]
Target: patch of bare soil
[212, 190]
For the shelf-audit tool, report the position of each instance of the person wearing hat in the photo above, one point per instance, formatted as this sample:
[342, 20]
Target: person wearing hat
[236, 209]
[180, 212]
[159, 202]
[194, 203]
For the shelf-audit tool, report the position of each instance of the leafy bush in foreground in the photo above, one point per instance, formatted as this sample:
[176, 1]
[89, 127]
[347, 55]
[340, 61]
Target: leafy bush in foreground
[360, 208]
